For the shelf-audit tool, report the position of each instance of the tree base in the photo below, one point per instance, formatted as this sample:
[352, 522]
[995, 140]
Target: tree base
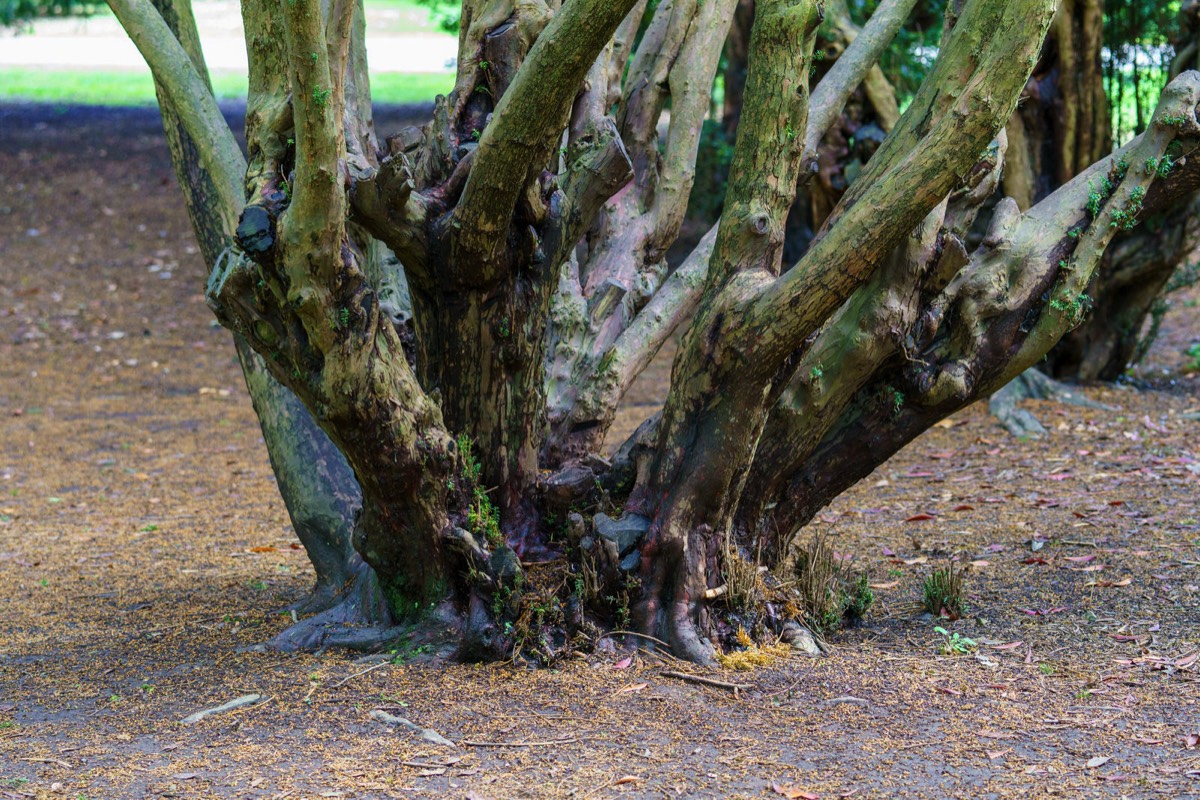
[354, 617]
[1032, 384]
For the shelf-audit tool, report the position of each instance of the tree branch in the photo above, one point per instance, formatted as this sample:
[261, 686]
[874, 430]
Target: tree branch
[989, 301]
[830, 95]
[1019, 291]
[193, 100]
[691, 75]
[961, 106]
[526, 124]
[317, 211]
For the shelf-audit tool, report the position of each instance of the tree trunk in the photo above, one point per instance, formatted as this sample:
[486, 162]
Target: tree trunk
[317, 486]
[737, 62]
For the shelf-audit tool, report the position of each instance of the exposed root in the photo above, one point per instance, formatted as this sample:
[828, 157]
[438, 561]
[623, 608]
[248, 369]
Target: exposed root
[356, 618]
[1032, 384]
[684, 637]
[323, 597]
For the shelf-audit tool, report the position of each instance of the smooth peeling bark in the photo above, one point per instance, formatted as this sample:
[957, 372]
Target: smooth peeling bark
[603, 296]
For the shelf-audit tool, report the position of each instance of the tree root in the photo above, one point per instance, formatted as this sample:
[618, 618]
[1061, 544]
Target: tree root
[1032, 384]
[355, 618]
[685, 639]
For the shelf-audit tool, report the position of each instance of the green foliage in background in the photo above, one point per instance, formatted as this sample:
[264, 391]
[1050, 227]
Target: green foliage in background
[446, 13]
[17, 12]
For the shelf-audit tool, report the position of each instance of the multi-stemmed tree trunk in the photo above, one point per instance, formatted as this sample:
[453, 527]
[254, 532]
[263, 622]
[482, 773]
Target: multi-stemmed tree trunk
[531, 216]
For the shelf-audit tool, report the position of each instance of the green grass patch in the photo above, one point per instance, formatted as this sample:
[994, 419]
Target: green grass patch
[115, 88]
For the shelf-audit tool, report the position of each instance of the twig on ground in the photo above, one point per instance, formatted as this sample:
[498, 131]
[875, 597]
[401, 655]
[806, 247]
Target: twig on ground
[428, 734]
[635, 633]
[244, 700]
[547, 743]
[349, 678]
[683, 676]
[45, 760]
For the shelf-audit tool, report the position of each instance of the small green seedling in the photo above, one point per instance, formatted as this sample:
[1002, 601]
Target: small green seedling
[955, 643]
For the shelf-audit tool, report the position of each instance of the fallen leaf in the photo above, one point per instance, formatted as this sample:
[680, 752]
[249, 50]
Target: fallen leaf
[430, 773]
[633, 687]
[1009, 646]
[964, 507]
[1188, 660]
[623, 663]
[1191, 741]
[266, 549]
[793, 793]
[1098, 761]
[920, 517]
[185, 776]
[994, 754]
[626, 779]
[888, 585]
[1108, 584]
[917, 560]
[980, 564]
[1080, 559]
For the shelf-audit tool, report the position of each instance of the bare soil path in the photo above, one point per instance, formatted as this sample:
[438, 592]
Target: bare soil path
[143, 545]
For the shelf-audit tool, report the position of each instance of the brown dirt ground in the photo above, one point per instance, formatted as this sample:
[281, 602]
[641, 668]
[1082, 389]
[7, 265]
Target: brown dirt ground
[142, 543]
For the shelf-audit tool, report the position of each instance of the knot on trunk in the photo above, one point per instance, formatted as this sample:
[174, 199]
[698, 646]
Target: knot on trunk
[256, 232]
